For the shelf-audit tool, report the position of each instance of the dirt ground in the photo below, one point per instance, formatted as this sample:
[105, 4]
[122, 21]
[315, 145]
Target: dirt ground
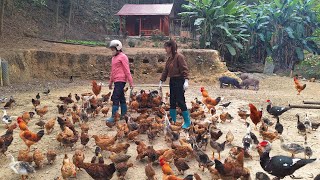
[278, 89]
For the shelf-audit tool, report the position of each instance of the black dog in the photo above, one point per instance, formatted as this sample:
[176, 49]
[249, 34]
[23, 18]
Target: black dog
[229, 81]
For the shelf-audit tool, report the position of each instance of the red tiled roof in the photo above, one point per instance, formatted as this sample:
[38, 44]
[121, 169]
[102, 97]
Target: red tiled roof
[145, 9]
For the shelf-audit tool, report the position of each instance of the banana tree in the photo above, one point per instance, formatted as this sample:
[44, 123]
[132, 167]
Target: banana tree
[220, 24]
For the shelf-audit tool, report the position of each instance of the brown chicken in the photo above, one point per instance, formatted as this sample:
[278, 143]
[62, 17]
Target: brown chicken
[150, 173]
[9, 104]
[31, 138]
[207, 100]
[51, 156]
[84, 138]
[133, 135]
[119, 148]
[104, 143]
[41, 111]
[7, 138]
[150, 153]
[255, 115]
[105, 111]
[26, 116]
[25, 156]
[49, 126]
[225, 116]
[270, 136]
[35, 103]
[84, 127]
[96, 89]
[197, 114]
[118, 158]
[41, 124]
[122, 169]
[181, 165]
[38, 158]
[141, 147]
[243, 114]
[181, 151]
[68, 169]
[168, 155]
[299, 87]
[230, 170]
[75, 118]
[78, 157]
[69, 141]
[106, 97]
[98, 171]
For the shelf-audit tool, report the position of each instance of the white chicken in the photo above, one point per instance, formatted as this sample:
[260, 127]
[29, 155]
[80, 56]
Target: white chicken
[308, 124]
[6, 119]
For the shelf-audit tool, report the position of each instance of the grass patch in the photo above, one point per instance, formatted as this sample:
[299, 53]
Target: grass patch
[87, 43]
[310, 67]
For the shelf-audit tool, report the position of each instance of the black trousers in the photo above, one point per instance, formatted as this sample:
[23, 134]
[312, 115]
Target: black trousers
[177, 93]
[118, 94]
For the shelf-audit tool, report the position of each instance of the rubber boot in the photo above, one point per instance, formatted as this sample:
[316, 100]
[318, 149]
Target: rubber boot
[173, 114]
[186, 118]
[110, 121]
[124, 109]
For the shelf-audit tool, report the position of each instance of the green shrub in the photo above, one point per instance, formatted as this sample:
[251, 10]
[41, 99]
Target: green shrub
[131, 44]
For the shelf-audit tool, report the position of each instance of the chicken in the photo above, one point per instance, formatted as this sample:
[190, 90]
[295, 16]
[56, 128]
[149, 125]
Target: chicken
[217, 146]
[25, 156]
[7, 138]
[230, 170]
[66, 100]
[78, 157]
[26, 116]
[133, 134]
[207, 100]
[41, 124]
[105, 111]
[106, 97]
[202, 158]
[31, 138]
[197, 114]
[77, 97]
[229, 137]
[22, 124]
[243, 114]
[168, 155]
[49, 126]
[141, 147]
[299, 87]
[96, 88]
[181, 151]
[118, 148]
[10, 103]
[84, 138]
[84, 127]
[62, 109]
[300, 126]
[270, 136]
[38, 158]
[166, 169]
[255, 115]
[42, 111]
[68, 169]
[104, 143]
[65, 122]
[98, 171]
[97, 158]
[51, 156]
[69, 141]
[225, 116]
[181, 165]
[75, 118]
[35, 103]
[119, 158]
[150, 153]
[150, 173]
[122, 168]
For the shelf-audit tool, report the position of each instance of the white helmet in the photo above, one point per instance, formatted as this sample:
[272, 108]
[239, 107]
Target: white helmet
[116, 44]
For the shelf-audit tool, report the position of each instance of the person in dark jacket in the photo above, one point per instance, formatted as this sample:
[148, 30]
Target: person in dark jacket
[176, 68]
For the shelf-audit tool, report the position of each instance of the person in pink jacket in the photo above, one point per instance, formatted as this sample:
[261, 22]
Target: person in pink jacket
[120, 74]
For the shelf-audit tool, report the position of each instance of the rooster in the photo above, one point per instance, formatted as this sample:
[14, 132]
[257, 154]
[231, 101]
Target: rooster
[298, 86]
[96, 88]
[207, 100]
[31, 138]
[255, 115]
[166, 169]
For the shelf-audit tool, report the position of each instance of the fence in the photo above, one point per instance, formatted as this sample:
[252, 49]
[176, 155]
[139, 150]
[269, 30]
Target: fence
[4, 73]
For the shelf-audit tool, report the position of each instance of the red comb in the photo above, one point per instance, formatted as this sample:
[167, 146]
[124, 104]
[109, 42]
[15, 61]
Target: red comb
[263, 143]
[268, 100]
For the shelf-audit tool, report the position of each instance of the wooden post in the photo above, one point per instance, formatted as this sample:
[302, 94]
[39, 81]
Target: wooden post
[2, 3]
[304, 106]
[311, 102]
[140, 27]
[160, 25]
[1, 82]
[120, 24]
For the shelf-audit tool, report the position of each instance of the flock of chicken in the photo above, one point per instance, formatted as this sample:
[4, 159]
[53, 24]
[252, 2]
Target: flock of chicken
[148, 115]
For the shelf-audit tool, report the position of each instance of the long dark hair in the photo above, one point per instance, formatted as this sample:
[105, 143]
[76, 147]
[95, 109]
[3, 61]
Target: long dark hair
[173, 45]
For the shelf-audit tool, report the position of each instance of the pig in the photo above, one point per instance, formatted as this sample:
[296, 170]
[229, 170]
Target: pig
[244, 76]
[229, 81]
[250, 82]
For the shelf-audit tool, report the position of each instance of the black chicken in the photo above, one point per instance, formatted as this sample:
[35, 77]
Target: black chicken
[276, 110]
[300, 126]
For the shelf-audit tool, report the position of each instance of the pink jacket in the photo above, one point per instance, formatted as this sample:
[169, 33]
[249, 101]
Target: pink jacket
[120, 70]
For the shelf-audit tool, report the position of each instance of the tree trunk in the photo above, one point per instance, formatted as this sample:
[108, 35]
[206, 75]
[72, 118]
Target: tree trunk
[57, 12]
[70, 13]
[1, 16]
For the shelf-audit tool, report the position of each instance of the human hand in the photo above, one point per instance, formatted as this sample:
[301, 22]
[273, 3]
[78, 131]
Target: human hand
[160, 84]
[186, 84]
[110, 86]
